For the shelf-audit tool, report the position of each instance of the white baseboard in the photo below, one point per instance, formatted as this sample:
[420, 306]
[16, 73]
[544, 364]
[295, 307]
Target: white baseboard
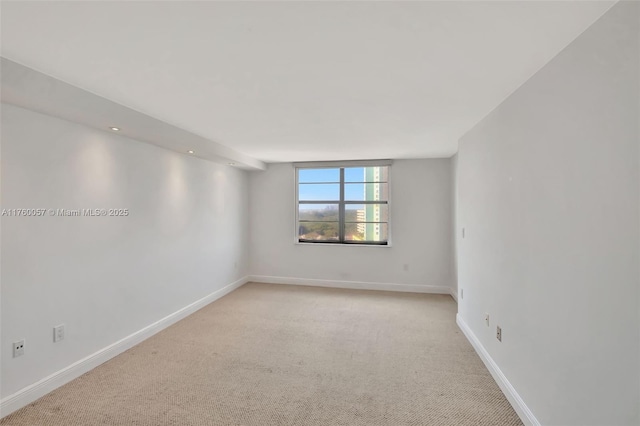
[454, 294]
[32, 392]
[518, 404]
[354, 285]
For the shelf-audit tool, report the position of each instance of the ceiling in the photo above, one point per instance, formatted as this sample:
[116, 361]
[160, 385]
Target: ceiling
[300, 81]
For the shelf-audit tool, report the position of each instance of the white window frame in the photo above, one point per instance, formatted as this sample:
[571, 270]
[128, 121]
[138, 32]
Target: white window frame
[335, 165]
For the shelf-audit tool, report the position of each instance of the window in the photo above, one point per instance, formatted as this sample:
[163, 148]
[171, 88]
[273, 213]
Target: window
[343, 203]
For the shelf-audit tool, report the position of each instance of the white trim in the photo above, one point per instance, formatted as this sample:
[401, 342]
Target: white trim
[346, 163]
[509, 391]
[354, 285]
[454, 294]
[298, 243]
[32, 392]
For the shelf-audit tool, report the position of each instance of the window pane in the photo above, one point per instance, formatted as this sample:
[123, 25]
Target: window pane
[318, 231]
[366, 191]
[319, 192]
[366, 213]
[318, 212]
[318, 175]
[354, 174]
[367, 232]
[366, 174]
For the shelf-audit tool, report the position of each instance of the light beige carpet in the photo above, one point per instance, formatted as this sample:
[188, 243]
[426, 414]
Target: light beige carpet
[286, 355]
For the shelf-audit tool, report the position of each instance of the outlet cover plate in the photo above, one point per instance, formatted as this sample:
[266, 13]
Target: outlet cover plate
[18, 348]
[58, 333]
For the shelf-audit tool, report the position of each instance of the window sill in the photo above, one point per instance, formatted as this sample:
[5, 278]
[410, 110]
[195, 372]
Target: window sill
[343, 245]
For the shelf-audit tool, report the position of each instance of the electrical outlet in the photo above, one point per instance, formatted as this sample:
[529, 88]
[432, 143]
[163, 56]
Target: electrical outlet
[58, 333]
[499, 333]
[18, 348]
[405, 267]
[462, 293]
[486, 319]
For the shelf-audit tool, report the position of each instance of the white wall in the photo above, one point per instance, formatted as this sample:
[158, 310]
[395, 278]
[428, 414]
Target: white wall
[106, 277]
[549, 196]
[421, 228]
